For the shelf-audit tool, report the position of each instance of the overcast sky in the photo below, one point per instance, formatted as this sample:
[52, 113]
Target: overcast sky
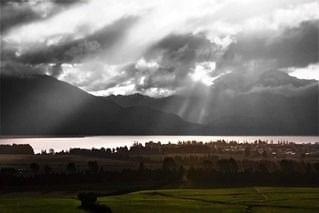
[158, 47]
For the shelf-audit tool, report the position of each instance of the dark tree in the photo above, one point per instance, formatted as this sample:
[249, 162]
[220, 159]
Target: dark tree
[265, 155]
[34, 168]
[51, 151]
[141, 166]
[93, 166]
[47, 169]
[71, 168]
[287, 166]
[169, 164]
[227, 166]
[24, 149]
[247, 151]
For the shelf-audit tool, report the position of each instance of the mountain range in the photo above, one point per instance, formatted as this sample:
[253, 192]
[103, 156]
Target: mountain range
[273, 104]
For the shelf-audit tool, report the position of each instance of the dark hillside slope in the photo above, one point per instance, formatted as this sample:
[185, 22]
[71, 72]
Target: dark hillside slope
[42, 105]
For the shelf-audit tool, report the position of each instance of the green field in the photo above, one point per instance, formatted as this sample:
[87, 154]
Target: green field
[251, 199]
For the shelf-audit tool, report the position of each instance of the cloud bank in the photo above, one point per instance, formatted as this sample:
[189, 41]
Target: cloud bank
[158, 47]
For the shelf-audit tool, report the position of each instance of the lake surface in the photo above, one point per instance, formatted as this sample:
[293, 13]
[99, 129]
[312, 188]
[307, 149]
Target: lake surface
[59, 144]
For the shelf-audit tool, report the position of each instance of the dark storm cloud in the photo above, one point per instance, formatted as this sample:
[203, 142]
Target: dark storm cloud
[13, 14]
[165, 66]
[49, 60]
[64, 2]
[180, 53]
[119, 45]
[295, 47]
[149, 76]
[184, 48]
[253, 61]
[69, 2]
[19, 12]
[68, 51]
[61, 53]
[16, 68]
[142, 75]
[176, 56]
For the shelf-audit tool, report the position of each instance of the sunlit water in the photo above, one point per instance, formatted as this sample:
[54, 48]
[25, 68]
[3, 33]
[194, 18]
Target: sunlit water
[59, 144]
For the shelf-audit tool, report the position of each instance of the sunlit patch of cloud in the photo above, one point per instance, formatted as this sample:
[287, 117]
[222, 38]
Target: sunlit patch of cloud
[202, 73]
[311, 72]
[142, 64]
[124, 88]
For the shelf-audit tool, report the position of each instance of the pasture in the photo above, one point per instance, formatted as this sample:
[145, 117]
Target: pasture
[250, 199]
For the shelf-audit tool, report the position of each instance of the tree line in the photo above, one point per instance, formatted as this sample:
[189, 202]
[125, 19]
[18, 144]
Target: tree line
[222, 172]
[25, 149]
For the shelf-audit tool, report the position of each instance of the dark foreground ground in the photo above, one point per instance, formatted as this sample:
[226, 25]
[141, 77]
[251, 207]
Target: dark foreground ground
[250, 199]
[185, 177]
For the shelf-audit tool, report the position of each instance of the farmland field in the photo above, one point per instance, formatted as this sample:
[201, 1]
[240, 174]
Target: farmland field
[250, 199]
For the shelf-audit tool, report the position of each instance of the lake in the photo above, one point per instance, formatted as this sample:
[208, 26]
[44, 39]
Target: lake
[59, 144]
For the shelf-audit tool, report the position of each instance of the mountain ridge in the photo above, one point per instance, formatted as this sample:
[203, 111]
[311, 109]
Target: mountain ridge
[42, 105]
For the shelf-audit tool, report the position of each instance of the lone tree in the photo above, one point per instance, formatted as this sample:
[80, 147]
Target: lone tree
[88, 199]
[89, 202]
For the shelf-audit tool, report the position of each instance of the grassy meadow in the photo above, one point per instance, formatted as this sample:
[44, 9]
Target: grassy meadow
[250, 199]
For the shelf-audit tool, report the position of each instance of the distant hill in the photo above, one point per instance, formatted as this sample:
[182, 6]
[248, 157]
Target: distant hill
[42, 105]
[273, 104]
